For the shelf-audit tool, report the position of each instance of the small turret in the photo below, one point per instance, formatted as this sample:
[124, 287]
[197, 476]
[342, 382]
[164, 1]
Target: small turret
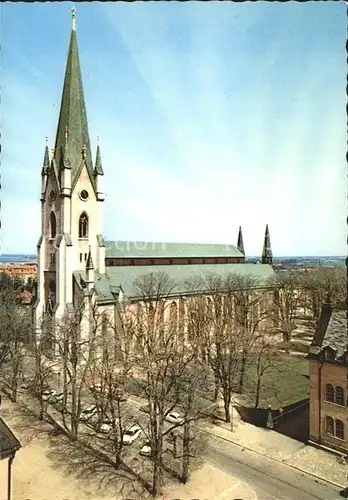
[240, 243]
[89, 271]
[44, 170]
[65, 167]
[267, 257]
[98, 174]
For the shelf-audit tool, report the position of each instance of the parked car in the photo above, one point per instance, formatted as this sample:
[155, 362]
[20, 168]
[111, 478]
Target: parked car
[132, 434]
[88, 412]
[105, 426]
[96, 388]
[174, 418]
[146, 450]
[49, 395]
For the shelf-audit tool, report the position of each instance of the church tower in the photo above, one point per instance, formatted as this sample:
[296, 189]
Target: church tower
[71, 199]
[267, 256]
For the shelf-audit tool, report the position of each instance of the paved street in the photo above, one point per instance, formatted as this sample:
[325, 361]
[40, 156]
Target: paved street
[269, 480]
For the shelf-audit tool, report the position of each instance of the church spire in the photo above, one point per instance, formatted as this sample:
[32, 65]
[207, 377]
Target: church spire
[73, 116]
[98, 169]
[267, 256]
[46, 161]
[240, 243]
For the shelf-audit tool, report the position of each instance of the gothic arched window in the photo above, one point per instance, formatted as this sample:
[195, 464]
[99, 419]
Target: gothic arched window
[339, 429]
[339, 396]
[329, 393]
[83, 225]
[329, 425]
[53, 225]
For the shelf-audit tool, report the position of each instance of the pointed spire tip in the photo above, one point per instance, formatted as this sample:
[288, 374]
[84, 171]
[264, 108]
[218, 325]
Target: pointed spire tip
[73, 22]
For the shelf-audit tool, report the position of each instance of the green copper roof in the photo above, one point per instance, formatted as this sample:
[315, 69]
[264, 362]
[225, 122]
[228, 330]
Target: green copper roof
[125, 276]
[138, 249]
[72, 125]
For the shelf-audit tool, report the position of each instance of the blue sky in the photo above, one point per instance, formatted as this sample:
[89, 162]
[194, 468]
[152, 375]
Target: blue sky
[210, 116]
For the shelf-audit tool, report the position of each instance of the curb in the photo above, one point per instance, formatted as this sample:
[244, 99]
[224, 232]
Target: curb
[274, 459]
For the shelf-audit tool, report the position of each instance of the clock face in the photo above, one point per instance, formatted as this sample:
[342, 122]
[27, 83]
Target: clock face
[52, 196]
[84, 195]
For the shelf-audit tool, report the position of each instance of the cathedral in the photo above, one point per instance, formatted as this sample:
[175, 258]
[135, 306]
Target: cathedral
[73, 258]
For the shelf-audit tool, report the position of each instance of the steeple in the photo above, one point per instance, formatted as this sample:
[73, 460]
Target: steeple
[240, 243]
[267, 256]
[73, 116]
[98, 169]
[46, 161]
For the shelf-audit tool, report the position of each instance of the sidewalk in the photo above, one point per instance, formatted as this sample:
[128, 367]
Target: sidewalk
[320, 463]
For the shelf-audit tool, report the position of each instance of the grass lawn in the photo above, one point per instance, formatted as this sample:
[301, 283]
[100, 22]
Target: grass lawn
[285, 382]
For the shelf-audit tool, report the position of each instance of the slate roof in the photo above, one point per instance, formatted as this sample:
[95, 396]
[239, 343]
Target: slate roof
[331, 330]
[9, 444]
[125, 276]
[138, 249]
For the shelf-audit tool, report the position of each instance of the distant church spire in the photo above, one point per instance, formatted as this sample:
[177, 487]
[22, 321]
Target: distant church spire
[267, 256]
[240, 243]
[73, 115]
[89, 263]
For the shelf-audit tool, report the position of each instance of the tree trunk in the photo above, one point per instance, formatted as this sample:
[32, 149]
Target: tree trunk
[242, 374]
[258, 389]
[186, 454]
[216, 390]
[227, 403]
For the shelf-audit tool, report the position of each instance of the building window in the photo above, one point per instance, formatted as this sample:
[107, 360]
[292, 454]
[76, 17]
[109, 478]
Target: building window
[83, 226]
[339, 396]
[85, 256]
[329, 393]
[329, 426]
[80, 257]
[53, 225]
[339, 429]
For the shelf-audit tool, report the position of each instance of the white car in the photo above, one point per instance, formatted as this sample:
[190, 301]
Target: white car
[131, 435]
[88, 412]
[106, 425]
[49, 395]
[146, 450]
[174, 418]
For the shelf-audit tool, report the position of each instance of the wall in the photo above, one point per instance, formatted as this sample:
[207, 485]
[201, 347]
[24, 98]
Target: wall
[3, 479]
[334, 374]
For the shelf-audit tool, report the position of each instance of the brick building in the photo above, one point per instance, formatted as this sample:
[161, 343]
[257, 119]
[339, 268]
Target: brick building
[328, 361]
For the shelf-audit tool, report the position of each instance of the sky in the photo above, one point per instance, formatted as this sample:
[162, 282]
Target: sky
[210, 116]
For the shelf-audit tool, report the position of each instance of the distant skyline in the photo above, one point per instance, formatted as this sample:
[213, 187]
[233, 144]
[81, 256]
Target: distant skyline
[210, 116]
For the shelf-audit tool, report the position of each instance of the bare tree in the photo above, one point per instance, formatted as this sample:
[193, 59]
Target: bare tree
[323, 285]
[251, 310]
[162, 356]
[287, 298]
[75, 344]
[265, 354]
[15, 323]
